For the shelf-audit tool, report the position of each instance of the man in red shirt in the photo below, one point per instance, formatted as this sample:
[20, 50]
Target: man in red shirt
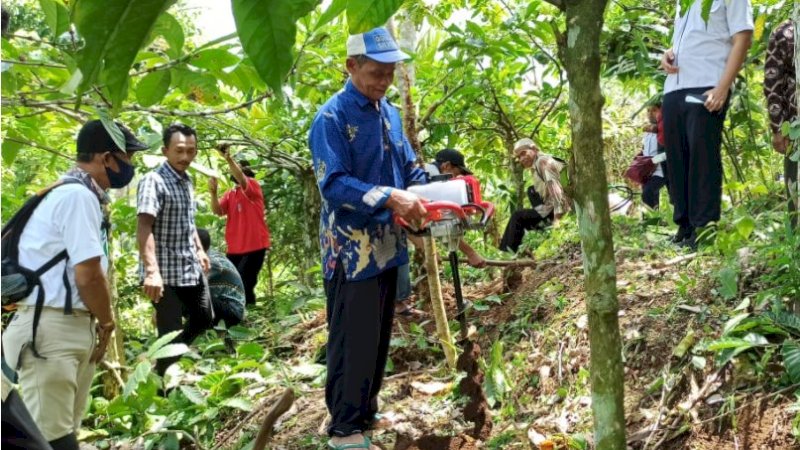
[246, 231]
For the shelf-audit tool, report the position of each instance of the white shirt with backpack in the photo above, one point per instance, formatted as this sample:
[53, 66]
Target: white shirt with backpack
[68, 218]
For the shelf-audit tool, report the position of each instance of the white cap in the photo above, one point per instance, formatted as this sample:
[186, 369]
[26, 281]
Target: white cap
[524, 142]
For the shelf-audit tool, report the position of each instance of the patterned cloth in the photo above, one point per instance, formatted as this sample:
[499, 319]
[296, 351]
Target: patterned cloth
[547, 183]
[779, 77]
[360, 154]
[227, 289]
[167, 195]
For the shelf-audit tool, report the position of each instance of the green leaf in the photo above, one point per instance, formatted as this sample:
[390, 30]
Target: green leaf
[56, 15]
[239, 403]
[733, 322]
[745, 226]
[729, 283]
[111, 128]
[10, 151]
[785, 320]
[198, 87]
[170, 351]
[722, 344]
[214, 59]
[267, 30]
[336, 8]
[113, 32]
[791, 359]
[153, 87]
[251, 350]
[193, 394]
[140, 374]
[162, 341]
[364, 15]
[171, 30]
[705, 12]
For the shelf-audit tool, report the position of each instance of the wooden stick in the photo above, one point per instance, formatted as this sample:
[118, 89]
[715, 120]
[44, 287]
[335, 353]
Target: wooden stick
[437, 302]
[511, 263]
[674, 261]
[267, 427]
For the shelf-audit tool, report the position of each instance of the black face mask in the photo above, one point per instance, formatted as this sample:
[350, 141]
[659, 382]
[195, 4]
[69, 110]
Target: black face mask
[123, 177]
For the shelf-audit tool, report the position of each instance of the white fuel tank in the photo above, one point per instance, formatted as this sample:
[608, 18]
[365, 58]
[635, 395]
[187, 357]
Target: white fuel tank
[452, 190]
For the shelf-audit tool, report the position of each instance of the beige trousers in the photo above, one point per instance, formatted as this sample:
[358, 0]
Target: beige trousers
[55, 388]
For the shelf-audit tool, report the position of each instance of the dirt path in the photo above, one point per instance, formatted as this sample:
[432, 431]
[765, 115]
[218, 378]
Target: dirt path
[543, 327]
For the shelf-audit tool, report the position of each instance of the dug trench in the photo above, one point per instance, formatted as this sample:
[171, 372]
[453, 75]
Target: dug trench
[542, 326]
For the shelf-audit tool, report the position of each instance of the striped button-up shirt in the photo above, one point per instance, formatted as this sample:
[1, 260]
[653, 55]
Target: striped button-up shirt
[168, 196]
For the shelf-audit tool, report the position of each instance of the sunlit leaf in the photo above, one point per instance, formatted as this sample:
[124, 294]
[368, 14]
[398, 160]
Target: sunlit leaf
[140, 374]
[56, 15]
[239, 403]
[193, 394]
[364, 15]
[267, 32]
[153, 87]
[113, 32]
[170, 351]
[336, 7]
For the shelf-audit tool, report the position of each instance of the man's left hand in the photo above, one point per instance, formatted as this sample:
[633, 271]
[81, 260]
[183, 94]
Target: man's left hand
[716, 98]
[104, 332]
[205, 263]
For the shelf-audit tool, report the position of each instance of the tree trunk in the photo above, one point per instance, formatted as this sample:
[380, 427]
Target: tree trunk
[580, 52]
[313, 203]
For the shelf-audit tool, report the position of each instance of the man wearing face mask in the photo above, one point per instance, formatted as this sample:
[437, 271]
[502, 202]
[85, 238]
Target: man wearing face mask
[55, 361]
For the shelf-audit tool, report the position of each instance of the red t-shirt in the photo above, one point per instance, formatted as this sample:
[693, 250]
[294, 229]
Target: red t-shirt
[660, 126]
[246, 230]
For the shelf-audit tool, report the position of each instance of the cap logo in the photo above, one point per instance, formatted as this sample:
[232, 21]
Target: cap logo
[383, 42]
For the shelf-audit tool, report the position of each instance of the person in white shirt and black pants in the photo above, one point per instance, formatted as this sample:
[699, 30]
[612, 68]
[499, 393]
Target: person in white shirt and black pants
[702, 66]
[55, 361]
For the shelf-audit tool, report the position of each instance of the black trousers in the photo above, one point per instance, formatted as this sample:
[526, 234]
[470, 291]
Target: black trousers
[360, 315]
[192, 302]
[249, 265]
[651, 191]
[693, 138]
[521, 221]
[790, 178]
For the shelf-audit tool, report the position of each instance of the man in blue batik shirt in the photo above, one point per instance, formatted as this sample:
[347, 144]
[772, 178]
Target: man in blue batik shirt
[363, 165]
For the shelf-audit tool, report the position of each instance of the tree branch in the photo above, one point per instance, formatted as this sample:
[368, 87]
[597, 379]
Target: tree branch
[431, 109]
[39, 146]
[34, 63]
[212, 112]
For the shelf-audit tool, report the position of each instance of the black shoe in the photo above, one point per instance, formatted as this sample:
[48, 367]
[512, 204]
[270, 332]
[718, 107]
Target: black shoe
[684, 233]
[690, 242]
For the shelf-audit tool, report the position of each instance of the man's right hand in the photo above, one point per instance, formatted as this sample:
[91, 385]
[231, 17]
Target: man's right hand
[223, 148]
[780, 143]
[407, 205]
[153, 286]
[668, 61]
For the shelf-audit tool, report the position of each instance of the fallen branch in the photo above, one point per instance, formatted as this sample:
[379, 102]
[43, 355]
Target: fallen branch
[511, 263]
[114, 372]
[674, 261]
[267, 426]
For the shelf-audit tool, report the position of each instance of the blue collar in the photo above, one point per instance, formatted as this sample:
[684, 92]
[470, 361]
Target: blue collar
[360, 98]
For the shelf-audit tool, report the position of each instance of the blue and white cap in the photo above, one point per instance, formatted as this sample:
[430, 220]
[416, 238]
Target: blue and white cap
[376, 44]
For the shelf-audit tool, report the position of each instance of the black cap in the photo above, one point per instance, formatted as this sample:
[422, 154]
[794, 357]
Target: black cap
[93, 138]
[454, 157]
